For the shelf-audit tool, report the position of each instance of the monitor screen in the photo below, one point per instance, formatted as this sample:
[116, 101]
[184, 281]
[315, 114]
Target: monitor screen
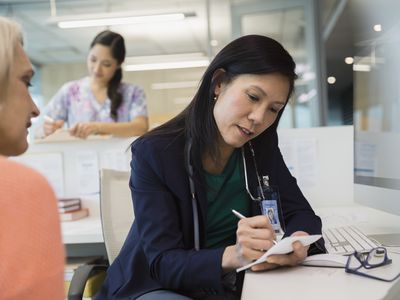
[377, 122]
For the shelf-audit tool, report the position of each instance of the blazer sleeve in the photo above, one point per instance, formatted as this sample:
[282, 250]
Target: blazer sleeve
[158, 213]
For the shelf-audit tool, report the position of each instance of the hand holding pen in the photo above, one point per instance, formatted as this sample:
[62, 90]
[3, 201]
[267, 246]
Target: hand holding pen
[254, 236]
[291, 259]
[50, 125]
[240, 216]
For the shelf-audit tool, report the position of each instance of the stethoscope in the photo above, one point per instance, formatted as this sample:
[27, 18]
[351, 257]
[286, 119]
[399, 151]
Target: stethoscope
[195, 211]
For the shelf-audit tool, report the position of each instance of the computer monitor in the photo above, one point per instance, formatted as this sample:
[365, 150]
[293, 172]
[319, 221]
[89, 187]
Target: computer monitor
[377, 122]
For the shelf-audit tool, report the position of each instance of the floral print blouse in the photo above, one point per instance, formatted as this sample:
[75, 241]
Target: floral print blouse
[75, 103]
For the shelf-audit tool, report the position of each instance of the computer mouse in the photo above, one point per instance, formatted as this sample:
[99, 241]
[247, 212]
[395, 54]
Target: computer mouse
[326, 260]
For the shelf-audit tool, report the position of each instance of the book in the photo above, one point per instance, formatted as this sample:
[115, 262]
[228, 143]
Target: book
[65, 202]
[69, 208]
[63, 135]
[74, 215]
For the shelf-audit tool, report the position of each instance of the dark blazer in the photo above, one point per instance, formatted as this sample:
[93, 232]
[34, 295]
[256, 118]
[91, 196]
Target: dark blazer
[159, 250]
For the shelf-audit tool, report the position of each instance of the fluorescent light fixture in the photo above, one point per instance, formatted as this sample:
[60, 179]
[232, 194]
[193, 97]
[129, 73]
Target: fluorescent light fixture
[162, 62]
[174, 85]
[361, 68]
[112, 19]
[214, 43]
[182, 100]
[306, 97]
[167, 65]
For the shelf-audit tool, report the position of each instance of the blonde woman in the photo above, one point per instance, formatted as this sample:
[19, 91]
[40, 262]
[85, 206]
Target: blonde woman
[31, 251]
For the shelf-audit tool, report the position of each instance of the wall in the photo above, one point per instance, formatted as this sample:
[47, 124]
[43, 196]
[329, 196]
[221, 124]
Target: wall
[324, 160]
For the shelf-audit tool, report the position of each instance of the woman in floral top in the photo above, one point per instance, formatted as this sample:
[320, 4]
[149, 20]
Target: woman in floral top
[99, 103]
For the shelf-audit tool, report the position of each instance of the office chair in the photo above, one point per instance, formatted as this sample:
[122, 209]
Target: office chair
[117, 216]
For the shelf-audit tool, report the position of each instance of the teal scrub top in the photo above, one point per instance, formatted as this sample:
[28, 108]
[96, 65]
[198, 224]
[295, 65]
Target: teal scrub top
[226, 191]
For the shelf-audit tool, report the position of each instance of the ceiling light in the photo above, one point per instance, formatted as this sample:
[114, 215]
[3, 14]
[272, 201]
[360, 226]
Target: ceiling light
[214, 43]
[349, 60]
[167, 65]
[182, 100]
[162, 62]
[112, 19]
[306, 97]
[377, 27]
[331, 79]
[174, 85]
[361, 68]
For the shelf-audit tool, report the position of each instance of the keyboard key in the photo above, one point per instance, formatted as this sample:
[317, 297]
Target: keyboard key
[346, 240]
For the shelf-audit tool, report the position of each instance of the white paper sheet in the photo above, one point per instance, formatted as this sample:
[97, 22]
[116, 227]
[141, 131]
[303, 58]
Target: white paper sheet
[115, 159]
[284, 246]
[365, 159]
[87, 172]
[300, 156]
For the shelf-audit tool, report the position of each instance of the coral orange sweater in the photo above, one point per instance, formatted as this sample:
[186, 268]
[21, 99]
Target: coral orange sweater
[31, 250]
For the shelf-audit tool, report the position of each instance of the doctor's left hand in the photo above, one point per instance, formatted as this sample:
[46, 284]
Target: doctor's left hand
[83, 130]
[292, 259]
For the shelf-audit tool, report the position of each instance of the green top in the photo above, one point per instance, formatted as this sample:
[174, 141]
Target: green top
[226, 191]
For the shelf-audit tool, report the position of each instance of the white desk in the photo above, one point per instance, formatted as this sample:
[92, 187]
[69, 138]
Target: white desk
[86, 230]
[110, 153]
[312, 283]
[84, 237]
[327, 283]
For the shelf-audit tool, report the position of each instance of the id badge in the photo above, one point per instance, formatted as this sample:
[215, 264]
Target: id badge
[270, 206]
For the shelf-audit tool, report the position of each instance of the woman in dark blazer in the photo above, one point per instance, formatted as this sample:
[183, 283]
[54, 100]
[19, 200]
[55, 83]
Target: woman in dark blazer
[189, 173]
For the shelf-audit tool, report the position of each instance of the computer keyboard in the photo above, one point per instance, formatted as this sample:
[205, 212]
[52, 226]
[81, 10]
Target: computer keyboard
[347, 239]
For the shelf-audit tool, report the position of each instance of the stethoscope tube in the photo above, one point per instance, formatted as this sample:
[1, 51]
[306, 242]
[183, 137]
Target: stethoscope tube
[196, 230]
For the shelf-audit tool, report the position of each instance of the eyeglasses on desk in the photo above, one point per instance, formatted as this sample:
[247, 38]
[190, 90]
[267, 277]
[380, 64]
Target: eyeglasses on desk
[360, 263]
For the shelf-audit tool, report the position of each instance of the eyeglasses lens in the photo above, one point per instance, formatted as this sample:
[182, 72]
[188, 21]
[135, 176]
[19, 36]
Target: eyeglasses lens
[354, 263]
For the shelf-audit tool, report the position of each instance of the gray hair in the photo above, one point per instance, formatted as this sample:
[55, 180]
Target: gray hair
[10, 36]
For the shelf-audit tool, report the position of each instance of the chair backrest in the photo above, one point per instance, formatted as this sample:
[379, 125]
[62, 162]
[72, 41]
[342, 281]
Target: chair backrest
[116, 210]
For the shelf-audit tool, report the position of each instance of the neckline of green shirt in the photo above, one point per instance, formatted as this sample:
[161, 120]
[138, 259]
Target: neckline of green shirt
[225, 191]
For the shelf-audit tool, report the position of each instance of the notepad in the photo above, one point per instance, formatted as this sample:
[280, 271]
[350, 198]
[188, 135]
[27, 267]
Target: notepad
[63, 135]
[284, 246]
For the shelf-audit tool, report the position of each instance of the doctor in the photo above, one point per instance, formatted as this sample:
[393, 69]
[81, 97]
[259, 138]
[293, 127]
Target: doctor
[188, 174]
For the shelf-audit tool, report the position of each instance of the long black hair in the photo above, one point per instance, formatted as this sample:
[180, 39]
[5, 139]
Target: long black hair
[250, 54]
[117, 46]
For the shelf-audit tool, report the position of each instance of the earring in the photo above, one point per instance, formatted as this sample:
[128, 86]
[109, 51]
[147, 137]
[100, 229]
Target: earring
[215, 98]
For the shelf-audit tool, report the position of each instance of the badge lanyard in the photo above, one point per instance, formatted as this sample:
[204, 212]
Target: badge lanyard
[268, 196]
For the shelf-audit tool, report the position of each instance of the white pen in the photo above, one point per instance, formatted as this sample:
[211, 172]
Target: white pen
[240, 216]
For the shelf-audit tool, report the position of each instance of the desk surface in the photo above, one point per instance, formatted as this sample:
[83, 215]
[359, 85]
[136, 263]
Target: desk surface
[86, 230]
[327, 283]
[312, 283]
